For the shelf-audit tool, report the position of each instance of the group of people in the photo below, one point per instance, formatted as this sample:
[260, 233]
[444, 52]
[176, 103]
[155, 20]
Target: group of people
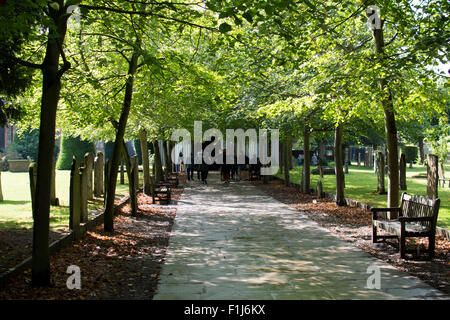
[202, 170]
[228, 171]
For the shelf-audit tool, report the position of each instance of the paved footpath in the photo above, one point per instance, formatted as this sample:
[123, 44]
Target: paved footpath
[236, 242]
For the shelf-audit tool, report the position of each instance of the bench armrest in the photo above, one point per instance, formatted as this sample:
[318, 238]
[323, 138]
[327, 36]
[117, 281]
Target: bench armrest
[375, 211]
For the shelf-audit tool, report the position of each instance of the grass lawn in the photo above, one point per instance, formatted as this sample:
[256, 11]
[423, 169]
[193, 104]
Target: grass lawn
[15, 210]
[361, 184]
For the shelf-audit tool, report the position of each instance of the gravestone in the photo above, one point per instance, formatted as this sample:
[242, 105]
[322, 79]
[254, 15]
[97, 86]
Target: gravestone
[32, 170]
[74, 219]
[359, 159]
[380, 173]
[432, 176]
[83, 172]
[98, 174]
[89, 164]
[441, 174]
[375, 162]
[403, 172]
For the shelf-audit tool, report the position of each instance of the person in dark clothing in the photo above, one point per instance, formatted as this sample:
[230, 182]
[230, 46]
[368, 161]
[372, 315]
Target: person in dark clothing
[234, 171]
[226, 170]
[190, 168]
[199, 172]
[204, 169]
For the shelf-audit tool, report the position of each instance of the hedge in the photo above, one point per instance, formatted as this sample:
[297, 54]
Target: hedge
[73, 146]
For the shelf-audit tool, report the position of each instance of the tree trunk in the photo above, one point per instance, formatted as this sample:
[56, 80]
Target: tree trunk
[403, 172]
[281, 152]
[158, 162]
[380, 173]
[390, 126]
[322, 150]
[115, 161]
[51, 87]
[432, 176]
[421, 151]
[131, 179]
[145, 162]
[168, 164]
[306, 161]
[340, 177]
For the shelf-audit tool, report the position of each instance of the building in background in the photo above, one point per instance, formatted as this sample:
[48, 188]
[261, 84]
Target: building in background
[6, 136]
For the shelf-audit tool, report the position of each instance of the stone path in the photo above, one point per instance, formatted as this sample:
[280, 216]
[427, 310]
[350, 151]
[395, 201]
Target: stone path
[235, 242]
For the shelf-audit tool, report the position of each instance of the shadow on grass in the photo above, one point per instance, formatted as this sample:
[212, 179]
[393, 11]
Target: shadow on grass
[14, 202]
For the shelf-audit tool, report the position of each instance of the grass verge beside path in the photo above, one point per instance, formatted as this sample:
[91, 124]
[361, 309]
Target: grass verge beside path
[15, 210]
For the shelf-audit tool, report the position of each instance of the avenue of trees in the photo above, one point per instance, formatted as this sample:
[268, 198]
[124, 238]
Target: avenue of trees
[115, 70]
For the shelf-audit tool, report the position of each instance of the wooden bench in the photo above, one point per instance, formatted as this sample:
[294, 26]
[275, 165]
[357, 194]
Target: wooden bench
[173, 180]
[417, 217]
[161, 193]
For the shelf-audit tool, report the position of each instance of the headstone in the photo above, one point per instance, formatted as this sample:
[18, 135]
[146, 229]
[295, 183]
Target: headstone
[319, 189]
[432, 176]
[375, 164]
[380, 173]
[359, 159]
[54, 201]
[403, 172]
[98, 174]
[74, 220]
[135, 165]
[84, 193]
[89, 164]
[32, 170]
[441, 174]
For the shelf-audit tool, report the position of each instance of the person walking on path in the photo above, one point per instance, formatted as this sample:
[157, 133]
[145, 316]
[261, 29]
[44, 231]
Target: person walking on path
[204, 169]
[225, 171]
[190, 167]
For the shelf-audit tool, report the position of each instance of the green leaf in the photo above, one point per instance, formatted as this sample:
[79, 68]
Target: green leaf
[54, 5]
[224, 27]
